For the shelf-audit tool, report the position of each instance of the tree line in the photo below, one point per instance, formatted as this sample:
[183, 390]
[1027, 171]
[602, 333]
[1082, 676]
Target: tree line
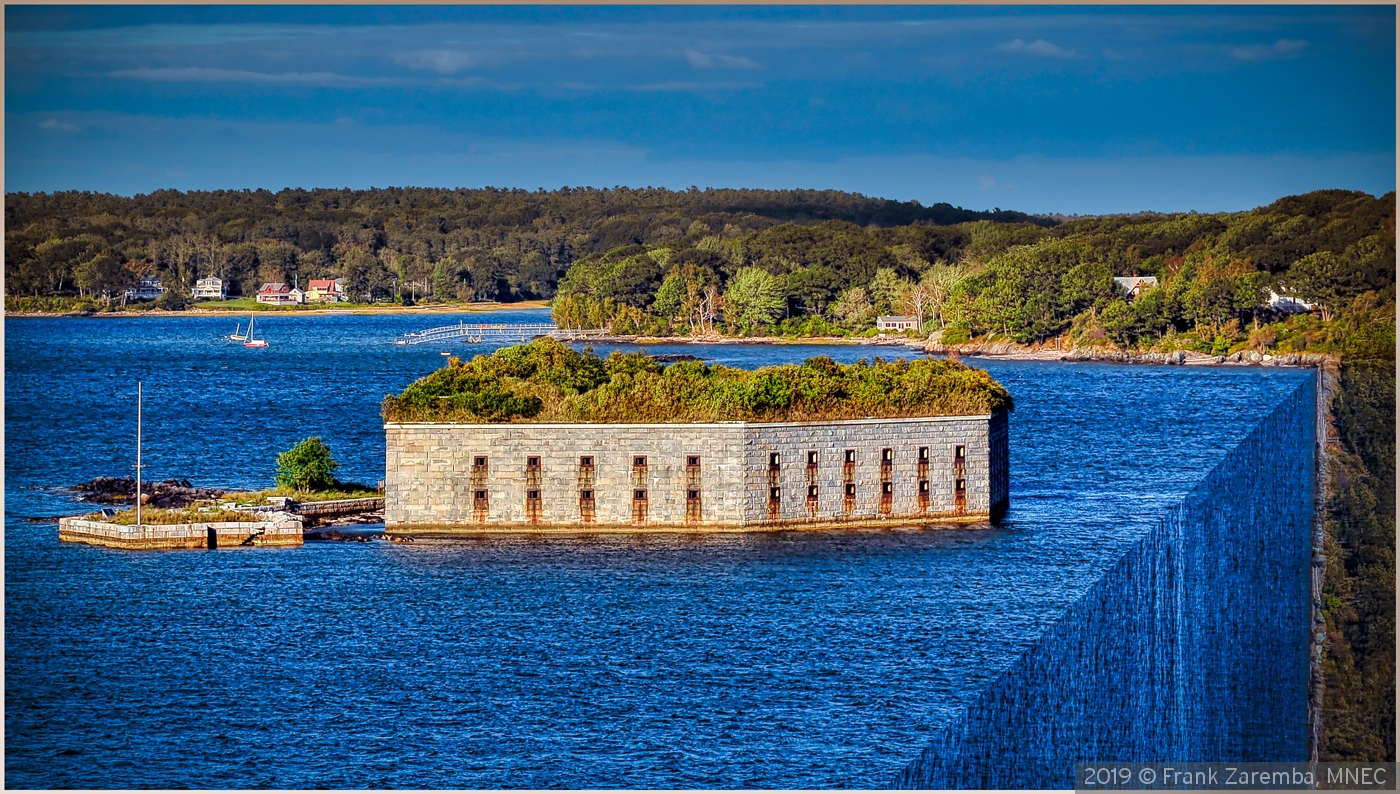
[486, 244]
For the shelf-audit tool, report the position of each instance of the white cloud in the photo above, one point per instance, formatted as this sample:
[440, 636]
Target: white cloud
[1283, 48]
[55, 125]
[199, 74]
[1040, 48]
[681, 85]
[701, 60]
[440, 61]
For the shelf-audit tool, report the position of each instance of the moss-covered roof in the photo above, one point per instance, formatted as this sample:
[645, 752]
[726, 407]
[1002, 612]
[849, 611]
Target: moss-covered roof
[546, 381]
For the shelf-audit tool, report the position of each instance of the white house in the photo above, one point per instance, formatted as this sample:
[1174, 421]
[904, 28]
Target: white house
[280, 294]
[1133, 286]
[147, 289]
[896, 323]
[211, 288]
[1288, 304]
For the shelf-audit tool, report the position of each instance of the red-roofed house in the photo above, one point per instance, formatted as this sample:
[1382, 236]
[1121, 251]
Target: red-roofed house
[324, 290]
[280, 294]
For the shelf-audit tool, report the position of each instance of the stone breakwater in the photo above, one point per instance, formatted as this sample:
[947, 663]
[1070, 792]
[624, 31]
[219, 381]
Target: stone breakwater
[278, 529]
[1195, 646]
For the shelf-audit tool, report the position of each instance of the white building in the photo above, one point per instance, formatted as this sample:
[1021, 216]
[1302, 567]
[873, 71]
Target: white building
[896, 322]
[147, 289]
[280, 294]
[1132, 286]
[211, 288]
[1288, 304]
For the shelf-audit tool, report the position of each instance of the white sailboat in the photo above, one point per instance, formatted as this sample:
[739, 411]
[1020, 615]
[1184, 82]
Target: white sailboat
[238, 335]
[249, 341]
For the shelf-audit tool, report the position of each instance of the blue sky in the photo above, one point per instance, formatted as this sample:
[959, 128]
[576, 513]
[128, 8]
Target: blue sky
[1043, 109]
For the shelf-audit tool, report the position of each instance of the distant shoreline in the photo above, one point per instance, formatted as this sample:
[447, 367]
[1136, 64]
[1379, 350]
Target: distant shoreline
[320, 309]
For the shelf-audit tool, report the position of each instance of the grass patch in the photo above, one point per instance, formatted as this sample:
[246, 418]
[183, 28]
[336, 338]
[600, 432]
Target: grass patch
[348, 490]
[186, 515]
[546, 381]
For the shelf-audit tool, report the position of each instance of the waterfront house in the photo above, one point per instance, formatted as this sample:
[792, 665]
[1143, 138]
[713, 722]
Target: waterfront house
[210, 288]
[324, 290]
[1130, 287]
[147, 289]
[896, 323]
[1288, 303]
[280, 294]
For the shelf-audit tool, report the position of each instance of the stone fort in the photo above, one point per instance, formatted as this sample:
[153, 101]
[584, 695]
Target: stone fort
[446, 478]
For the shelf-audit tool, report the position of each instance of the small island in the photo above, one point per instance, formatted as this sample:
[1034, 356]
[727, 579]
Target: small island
[543, 437]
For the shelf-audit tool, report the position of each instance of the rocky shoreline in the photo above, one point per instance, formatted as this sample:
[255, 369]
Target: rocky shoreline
[170, 494]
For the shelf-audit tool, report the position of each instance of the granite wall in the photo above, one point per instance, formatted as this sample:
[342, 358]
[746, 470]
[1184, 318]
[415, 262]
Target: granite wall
[725, 475]
[1193, 647]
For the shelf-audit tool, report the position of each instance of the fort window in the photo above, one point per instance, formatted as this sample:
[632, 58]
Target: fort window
[923, 454]
[775, 494]
[639, 461]
[960, 452]
[887, 488]
[811, 460]
[772, 460]
[479, 461]
[585, 461]
[811, 492]
[692, 461]
[886, 455]
[850, 456]
[850, 490]
[639, 494]
[586, 495]
[692, 495]
[923, 486]
[480, 496]
[960, 486]
[532, 495]
[532, 462]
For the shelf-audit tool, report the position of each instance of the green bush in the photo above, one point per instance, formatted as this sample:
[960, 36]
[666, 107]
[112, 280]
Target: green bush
[524, 383]
[956, 335]
[307, 466]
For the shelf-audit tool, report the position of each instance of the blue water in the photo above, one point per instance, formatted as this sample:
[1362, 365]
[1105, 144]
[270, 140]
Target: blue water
[784, 660]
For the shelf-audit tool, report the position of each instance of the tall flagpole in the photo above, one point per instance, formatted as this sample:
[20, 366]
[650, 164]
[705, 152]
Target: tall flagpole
[138, 454]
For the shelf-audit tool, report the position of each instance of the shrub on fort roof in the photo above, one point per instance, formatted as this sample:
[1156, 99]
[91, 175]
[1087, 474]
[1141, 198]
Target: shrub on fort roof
[546, 381]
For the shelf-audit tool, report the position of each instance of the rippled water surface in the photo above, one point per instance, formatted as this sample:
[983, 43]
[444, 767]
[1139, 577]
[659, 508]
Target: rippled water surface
[787, 660]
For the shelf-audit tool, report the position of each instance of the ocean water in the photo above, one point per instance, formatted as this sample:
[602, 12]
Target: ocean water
[783, 660]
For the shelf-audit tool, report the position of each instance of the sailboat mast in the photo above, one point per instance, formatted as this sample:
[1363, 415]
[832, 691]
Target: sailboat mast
[138, 454]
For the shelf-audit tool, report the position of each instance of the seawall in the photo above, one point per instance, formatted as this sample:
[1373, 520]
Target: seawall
[278, 530]
[1194, 646]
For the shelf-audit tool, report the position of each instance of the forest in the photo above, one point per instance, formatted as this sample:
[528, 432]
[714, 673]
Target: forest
[438, 244]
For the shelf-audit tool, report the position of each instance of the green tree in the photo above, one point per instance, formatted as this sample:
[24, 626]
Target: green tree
[103, 274]
[887, 289]
[853, 308]
[754, 298]
[307, 466]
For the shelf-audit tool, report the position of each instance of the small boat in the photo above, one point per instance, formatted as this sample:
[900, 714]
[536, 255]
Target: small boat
[238, 335]
[251, 342]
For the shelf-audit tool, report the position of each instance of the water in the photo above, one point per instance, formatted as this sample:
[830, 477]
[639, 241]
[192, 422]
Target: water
[788, 660]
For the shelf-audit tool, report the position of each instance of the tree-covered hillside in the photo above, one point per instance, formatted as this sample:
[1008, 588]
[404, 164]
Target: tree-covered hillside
[1020, 281]
[454, 244]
